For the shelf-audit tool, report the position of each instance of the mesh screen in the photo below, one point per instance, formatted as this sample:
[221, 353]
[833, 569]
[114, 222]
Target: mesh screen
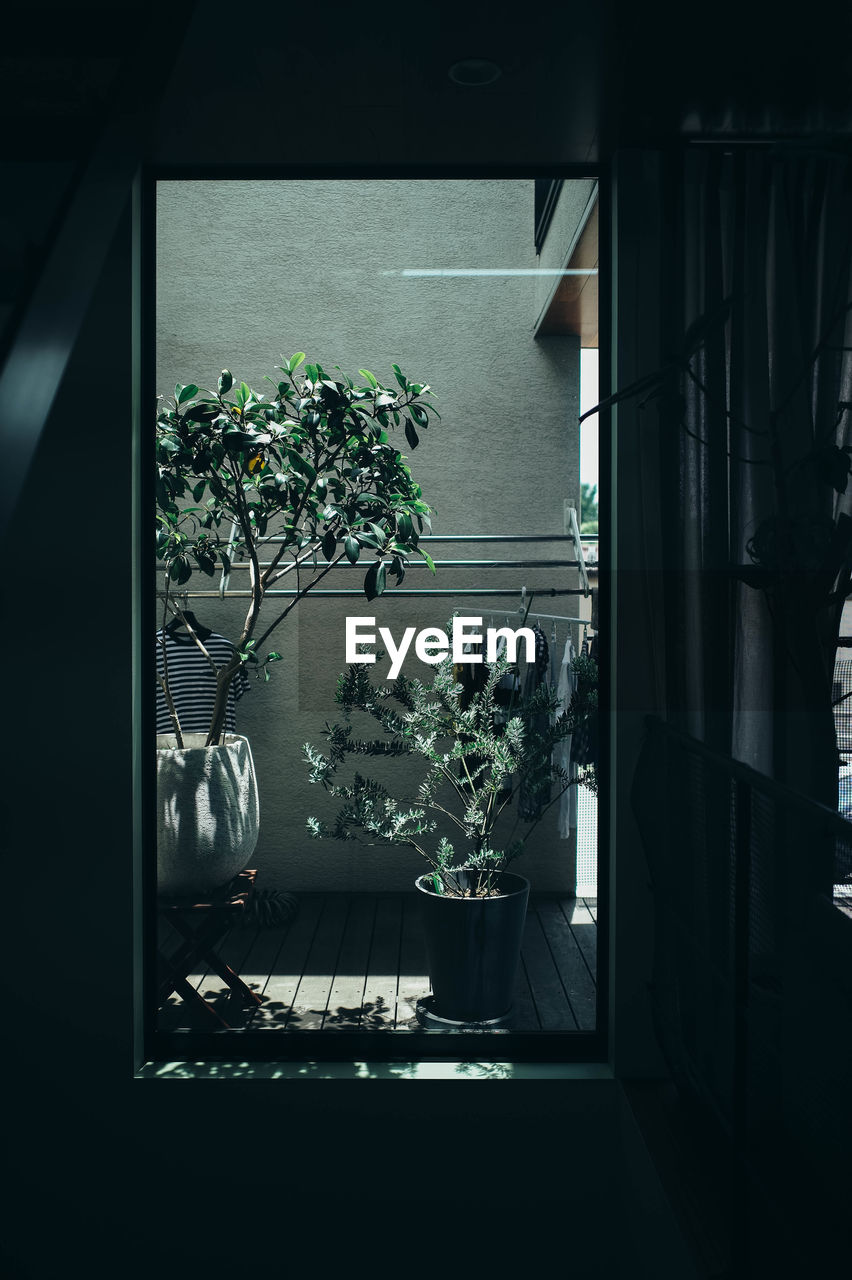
[587, 843]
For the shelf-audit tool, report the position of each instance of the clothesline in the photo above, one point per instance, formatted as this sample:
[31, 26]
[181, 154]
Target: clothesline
[396, 591]
[546, 617]
[571, 534]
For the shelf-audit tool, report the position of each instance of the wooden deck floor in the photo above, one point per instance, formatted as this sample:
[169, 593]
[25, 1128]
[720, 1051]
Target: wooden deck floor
[357, 962]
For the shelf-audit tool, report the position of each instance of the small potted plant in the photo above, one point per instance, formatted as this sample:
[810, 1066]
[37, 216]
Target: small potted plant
[309, 470]
[479, 756]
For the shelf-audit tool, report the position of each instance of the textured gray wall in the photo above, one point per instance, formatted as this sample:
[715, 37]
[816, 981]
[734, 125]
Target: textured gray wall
[248, 271]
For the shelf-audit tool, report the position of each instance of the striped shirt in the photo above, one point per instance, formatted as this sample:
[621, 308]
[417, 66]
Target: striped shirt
[192, 683]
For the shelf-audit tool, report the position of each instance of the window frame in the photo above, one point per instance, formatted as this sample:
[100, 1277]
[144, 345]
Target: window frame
[156, 1046]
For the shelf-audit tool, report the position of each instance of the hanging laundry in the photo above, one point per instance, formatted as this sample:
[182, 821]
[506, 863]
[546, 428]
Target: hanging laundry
[566, 685]
[534, 792]
[192, 683]
[584, 746]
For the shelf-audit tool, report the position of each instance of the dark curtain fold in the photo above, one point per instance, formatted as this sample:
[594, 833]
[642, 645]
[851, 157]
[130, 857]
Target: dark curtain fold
[758, 276]
[746, 426]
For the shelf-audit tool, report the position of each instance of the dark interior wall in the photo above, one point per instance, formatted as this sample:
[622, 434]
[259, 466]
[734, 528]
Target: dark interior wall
[137, 1177]
[115, 1176]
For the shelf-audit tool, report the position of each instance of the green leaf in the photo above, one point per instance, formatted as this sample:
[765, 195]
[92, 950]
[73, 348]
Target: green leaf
[419, 415]
[374, 582]
[294, 361]
[302, 464]
[180, 570]
[365, 373]
[198, 490]
[201, 413]
[410, 434]
[273, 657]
[312, 372]
[400, 377]
[351, 548]
[188, 392]
[430, 562]
[226, 381]
[329, 544]
[206, 564]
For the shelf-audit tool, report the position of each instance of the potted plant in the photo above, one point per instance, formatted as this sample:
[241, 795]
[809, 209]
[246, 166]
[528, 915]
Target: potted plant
[479, 755]
[305, 471]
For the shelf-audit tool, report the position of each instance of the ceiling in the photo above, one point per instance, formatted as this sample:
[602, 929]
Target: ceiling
[271, 84]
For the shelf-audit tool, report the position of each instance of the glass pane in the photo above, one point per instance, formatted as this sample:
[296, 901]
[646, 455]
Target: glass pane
[420, 466]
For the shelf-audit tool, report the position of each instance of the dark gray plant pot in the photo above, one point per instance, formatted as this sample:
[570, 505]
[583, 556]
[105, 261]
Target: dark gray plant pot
[473, 946]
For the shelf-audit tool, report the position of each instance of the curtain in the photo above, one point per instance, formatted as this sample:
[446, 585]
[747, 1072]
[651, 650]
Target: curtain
[757, 331]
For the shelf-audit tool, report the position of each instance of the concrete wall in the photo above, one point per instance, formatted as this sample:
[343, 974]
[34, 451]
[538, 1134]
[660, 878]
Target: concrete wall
[247, 272]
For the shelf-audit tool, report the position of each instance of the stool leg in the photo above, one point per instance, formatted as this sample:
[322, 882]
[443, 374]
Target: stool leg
[233, 980]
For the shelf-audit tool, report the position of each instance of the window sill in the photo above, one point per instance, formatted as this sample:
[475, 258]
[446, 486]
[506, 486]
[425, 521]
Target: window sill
[374, 1071]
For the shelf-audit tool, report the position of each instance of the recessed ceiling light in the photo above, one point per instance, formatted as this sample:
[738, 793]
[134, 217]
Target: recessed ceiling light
[474, 71]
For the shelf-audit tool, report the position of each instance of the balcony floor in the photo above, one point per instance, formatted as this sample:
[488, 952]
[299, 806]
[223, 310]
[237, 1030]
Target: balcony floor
[356, 961]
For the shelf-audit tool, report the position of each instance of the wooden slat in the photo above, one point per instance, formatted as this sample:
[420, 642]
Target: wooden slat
[360, 961]
[524, 1016]
[378, 1011]
[260, 963]
[574, 976]
[289, 965]
[314, 989]
[551, 1002]
[584, 930]
[413, 967]
[347, 990]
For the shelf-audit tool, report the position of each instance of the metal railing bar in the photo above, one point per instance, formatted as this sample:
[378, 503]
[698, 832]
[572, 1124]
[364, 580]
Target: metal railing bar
[478, 537]
[405, 591]
[444, 564]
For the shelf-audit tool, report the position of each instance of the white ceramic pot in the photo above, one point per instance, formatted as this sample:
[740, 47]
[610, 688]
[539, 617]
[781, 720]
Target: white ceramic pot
[208, 812]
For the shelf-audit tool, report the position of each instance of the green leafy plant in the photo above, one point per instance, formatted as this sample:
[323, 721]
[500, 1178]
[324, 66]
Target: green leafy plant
[478, 754]
[308, 469]
[588, 508]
